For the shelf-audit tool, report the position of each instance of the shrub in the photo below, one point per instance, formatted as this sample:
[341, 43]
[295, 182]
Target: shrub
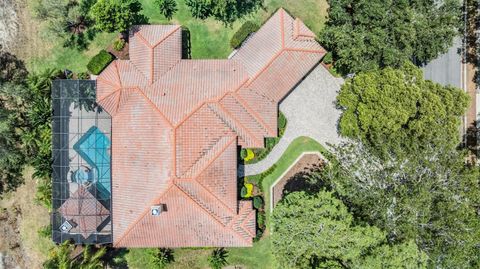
[247, 28]
[257, 202]
[270, 142]
[250, 155]
[328, 58]
[83, 75]
[167, 7]
[218, 258]
[160, 257]
[261, 219]
[282, 121]
[118, 44]
[247, 190]
[243, 191]
[243, 154]
[99, 62]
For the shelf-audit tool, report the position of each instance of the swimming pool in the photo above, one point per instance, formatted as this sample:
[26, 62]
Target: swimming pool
[94, 148]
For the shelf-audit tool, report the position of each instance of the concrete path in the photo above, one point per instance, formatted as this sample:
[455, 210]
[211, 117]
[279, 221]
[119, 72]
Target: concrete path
[310, 111]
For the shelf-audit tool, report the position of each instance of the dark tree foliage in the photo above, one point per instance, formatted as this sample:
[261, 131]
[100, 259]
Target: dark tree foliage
[117, 15]
[12, 69]
[396, 110]
[160, 257]
[218, 258]
[369, 34]
[11, 157]
[226, 11]
[317, 231]
[167, 7]
[430, 197]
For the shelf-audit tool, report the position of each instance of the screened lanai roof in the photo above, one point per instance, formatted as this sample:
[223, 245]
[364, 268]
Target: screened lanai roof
[81, 190]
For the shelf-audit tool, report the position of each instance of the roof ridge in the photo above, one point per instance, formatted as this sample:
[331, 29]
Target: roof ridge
[254, 114]
[141, 216]
[217, 155]
[221, 225]
[247, 218]
[194, 199]
[235, 121]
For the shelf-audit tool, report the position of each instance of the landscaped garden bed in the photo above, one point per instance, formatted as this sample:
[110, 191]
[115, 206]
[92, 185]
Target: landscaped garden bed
[255, 155]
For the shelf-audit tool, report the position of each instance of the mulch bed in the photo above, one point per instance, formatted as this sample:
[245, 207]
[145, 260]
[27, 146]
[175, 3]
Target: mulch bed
[122, 55]
[296, 179]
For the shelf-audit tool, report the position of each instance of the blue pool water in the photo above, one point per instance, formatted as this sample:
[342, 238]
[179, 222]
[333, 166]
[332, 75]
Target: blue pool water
[94, 148]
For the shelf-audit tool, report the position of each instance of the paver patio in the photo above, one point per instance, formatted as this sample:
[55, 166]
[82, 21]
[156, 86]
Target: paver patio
[310, 111]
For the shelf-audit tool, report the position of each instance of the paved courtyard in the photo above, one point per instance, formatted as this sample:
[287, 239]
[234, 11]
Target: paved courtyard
[310, 110]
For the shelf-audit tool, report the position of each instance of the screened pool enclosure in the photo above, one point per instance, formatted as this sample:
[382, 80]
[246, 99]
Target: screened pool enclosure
[81, 187]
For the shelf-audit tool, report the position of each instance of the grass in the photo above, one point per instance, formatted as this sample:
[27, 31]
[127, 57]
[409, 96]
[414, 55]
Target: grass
[209, 38]
[295, 149]
[33, 248]
[259, 256]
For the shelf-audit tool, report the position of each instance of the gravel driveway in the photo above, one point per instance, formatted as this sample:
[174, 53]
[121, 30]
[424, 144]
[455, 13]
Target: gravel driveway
[310, 111]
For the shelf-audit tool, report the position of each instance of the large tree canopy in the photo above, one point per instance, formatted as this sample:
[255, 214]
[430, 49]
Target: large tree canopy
[117, 15]
[318, 232]
[367, 34]
[396, 110]
[430, 197]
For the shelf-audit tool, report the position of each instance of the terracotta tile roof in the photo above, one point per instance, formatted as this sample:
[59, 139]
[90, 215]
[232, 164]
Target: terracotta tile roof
[176, 126]
[85, 211]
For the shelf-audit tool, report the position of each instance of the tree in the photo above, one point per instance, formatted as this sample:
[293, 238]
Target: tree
[11, 68]
[365, 34]
[167, 7]
[160, 257]
[218, 258]
[226, 11]
[59, 258]
[430, 197]
[405, 255]
[11, 157]
[396, 110]
[317, 231]
[117, 15]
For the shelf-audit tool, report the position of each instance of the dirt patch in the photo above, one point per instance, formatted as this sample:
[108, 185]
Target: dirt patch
[9, 23]
[20, 218]
[26, 41]
[297, 178]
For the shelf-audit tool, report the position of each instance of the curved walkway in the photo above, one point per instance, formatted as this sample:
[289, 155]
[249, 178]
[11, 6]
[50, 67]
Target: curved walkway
[310, 111]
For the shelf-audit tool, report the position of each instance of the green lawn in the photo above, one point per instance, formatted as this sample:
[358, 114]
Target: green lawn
[295, 149]
[209, 38]
[256, 257]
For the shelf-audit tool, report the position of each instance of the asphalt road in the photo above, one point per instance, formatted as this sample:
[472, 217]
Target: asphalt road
[447, 68]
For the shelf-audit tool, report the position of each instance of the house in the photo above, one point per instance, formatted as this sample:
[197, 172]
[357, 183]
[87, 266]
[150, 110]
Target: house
[176, 125]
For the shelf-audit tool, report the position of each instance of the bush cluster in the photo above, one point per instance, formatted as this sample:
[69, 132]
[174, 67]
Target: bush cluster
[118, 44]
[99, 62]
[246, 29]
[328, 58]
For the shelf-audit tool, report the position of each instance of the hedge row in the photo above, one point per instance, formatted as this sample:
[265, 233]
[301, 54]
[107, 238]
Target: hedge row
[247, 28]
[99, 62]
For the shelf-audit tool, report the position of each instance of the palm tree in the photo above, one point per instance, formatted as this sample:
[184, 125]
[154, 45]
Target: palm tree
[92, 259]
[218, 259]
